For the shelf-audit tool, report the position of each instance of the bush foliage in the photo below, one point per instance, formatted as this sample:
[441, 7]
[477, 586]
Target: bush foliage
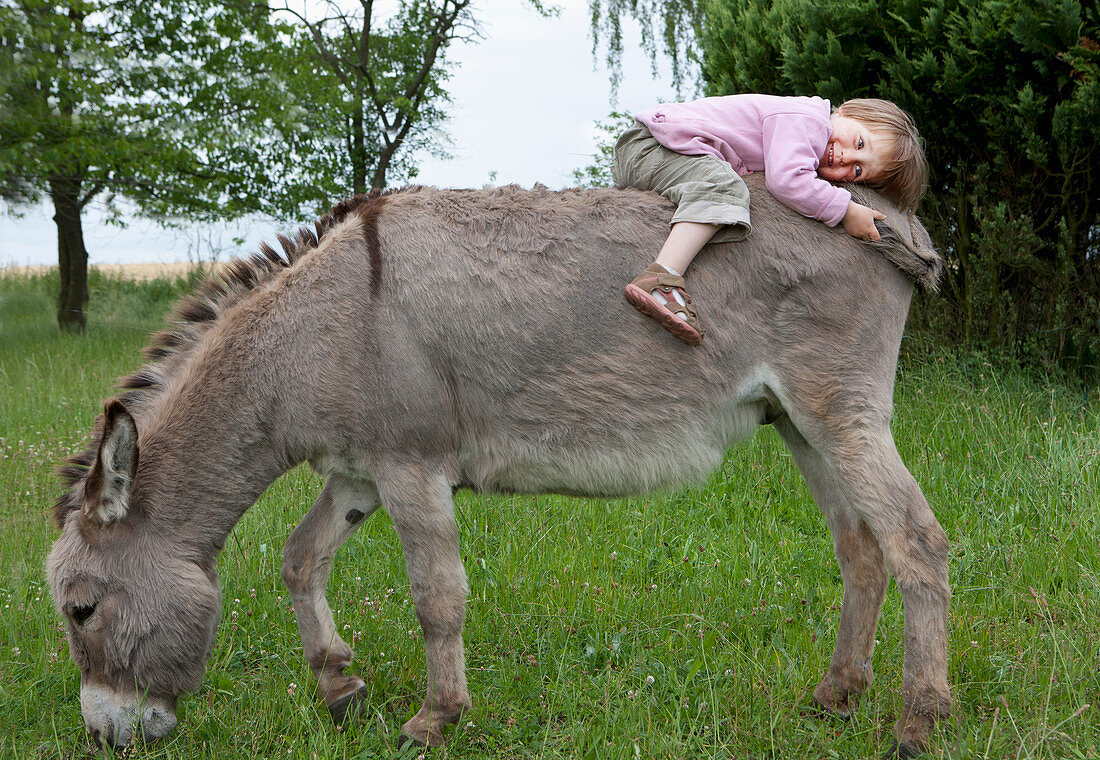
[1007, 97]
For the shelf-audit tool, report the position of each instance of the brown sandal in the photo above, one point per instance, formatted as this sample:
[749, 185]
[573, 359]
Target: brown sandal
[678, 318]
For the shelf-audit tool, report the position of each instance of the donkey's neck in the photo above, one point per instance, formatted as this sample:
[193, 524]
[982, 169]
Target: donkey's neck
[210, 447]
[235, 411]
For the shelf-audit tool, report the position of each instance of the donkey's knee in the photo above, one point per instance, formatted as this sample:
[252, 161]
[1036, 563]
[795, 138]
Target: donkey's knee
[859, 556]
[889, 502]
[438, 582]
[298, 567]
[441, 599]
[306, 564]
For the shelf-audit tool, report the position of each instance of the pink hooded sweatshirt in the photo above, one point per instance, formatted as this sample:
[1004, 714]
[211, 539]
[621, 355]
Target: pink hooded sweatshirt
[785, 137]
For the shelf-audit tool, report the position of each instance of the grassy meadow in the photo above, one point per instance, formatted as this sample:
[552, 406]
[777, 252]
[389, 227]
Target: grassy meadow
[685, 625]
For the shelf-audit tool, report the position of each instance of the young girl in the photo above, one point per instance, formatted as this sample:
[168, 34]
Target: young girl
[695, 153]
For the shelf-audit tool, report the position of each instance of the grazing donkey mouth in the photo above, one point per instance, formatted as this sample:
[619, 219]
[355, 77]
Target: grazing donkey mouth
[115, 722]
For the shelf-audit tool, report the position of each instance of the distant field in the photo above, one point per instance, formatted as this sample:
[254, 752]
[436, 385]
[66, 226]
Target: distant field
[141, 272]
[685, 625]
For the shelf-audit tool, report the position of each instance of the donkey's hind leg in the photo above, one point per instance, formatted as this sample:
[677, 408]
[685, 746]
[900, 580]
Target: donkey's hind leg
[418, 500]
[862, 570]
[881, 491]
[342, 507]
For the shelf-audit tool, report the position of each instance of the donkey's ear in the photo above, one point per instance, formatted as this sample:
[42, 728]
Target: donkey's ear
[107, 489]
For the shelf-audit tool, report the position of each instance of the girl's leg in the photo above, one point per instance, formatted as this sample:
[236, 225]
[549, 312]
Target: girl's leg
[684, 242]
[659, 292]
[708, 195]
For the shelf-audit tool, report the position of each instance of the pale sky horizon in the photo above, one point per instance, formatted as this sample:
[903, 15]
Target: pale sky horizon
[525, 104]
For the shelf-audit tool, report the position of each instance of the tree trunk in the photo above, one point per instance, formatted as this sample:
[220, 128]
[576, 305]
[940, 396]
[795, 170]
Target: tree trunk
[72, 257]
[358, 152]
[378, 181]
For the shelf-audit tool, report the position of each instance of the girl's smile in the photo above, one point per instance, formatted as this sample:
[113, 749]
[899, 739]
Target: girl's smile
[854, 152]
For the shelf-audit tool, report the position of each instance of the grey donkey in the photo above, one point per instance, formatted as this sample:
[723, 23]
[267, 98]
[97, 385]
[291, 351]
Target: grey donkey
[423, 340]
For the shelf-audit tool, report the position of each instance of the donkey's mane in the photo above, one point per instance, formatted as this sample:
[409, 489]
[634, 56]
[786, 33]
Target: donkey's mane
[190, 319]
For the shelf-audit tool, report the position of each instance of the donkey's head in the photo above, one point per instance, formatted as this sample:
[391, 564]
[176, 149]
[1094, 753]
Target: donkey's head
[141, 615]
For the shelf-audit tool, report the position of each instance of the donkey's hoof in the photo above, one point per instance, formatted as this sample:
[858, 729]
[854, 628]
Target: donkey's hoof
[434, 738]
[824, 711]
[348, 706]
[425, 729]
[404, 740]
[901, 752]
[829, 706]
[422, 733]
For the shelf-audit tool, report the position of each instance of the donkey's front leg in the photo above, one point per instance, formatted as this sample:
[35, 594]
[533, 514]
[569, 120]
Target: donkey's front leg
[418, 500]
[307, 562]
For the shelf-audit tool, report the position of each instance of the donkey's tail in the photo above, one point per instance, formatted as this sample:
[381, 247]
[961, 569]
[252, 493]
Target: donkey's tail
[914, 254]
[910, 250]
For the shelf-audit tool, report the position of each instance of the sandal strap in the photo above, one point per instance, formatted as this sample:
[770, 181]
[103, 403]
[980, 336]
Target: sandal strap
[666, 280]
[677, 308]
[656, 277]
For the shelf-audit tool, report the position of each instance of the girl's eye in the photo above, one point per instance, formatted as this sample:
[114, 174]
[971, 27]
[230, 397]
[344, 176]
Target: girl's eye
[859, 171]
[859, 144]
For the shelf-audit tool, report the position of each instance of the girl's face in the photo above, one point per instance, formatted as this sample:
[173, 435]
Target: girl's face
[854, 152]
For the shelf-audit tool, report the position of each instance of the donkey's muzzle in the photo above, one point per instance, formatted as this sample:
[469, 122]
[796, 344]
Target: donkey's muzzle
[115, 720]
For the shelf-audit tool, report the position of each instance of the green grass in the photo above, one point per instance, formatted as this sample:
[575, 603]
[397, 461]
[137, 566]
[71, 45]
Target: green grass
[691, 625]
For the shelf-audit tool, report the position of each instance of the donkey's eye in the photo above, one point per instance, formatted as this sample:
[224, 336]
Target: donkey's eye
[80, 614]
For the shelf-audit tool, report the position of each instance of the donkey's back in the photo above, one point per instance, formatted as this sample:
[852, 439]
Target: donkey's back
[498, 319]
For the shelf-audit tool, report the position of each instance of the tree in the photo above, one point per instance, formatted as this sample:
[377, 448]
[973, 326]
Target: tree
[97, 99]
[381, 82]
[385, 85]
[676, 19]
[598, 173]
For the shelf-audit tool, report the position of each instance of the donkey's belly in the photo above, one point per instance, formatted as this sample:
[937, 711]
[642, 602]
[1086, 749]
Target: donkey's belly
[601, 460]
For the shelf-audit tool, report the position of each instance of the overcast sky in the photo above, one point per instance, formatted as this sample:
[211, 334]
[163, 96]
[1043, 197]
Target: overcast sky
[525, 103]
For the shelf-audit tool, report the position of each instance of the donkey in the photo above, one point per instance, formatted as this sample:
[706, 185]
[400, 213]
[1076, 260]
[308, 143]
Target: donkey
[424, 340]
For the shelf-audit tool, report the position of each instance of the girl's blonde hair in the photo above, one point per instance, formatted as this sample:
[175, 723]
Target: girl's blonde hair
[905, 171]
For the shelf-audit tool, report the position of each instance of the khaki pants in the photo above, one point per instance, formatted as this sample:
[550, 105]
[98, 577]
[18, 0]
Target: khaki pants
[704, 188]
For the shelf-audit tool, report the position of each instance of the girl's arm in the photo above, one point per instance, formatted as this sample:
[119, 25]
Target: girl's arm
[791, 145]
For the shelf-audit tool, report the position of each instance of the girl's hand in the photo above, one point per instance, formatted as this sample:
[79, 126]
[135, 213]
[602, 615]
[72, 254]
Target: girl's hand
[859, 221]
